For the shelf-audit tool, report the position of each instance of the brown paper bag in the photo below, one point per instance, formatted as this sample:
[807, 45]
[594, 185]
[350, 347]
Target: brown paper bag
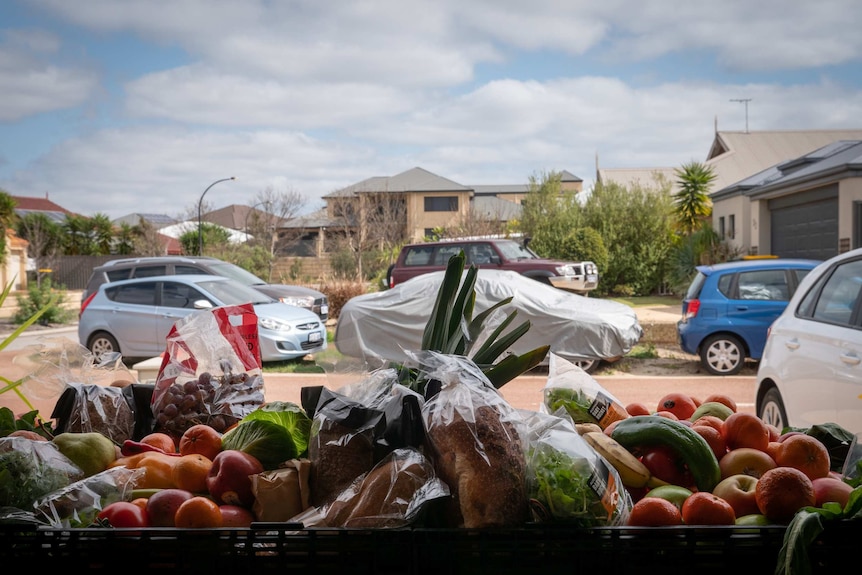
[281, 493]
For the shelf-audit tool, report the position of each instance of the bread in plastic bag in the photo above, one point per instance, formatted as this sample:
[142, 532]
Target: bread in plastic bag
[474, 439]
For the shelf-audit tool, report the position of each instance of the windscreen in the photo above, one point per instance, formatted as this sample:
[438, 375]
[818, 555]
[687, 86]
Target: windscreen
[233, 293]
[237, 273]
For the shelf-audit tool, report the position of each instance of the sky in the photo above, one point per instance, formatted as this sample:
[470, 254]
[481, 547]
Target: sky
[117, 107]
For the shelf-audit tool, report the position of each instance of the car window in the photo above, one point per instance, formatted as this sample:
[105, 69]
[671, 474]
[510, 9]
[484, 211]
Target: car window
[840, 294]
[725, 283]
[234, 293]
[514, 251]
[695, 287]
[150, 271]
[180, 295]
[444, 253]
[764, 285]
[418, 256]
[184, 270]
[232, 271]
[117, 275]
[479, 254]
[137, 294]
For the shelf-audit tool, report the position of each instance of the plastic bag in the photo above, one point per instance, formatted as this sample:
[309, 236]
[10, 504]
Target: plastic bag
[211, 371]
[30, 469]
[391, 495]
[571, 388]
[567, 481]
[474, 437]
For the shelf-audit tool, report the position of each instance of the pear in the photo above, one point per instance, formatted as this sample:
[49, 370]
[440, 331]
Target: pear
[91, 451]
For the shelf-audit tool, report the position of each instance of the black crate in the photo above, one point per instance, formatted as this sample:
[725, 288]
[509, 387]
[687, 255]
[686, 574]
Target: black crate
[724, 550]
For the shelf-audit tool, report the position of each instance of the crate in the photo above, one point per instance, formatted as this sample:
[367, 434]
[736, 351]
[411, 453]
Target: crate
[726, 550]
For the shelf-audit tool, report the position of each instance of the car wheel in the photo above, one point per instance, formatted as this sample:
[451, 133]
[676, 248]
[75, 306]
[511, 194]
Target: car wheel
[588, 365]
[772, 411]
[102, 343]
[722, 355]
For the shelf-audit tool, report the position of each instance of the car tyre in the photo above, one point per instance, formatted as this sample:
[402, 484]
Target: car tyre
[722, 354]
[588, 365]
[772, 410]
[102, 343]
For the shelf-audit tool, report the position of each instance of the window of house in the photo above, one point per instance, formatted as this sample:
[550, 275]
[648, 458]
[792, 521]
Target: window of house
[441, 204]
[731, 221]
[721, 227]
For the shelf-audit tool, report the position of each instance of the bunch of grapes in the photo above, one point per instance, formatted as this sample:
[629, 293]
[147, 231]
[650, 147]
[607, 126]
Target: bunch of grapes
[219, 402]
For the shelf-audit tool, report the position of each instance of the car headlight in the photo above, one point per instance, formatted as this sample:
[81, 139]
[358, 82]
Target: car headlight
[565, 270]
[273, 324]
[298, 301]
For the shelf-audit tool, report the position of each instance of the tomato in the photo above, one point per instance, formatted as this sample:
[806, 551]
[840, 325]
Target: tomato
[664, 464]
[124, 514]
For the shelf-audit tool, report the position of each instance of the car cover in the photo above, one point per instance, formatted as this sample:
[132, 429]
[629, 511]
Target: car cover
[379, 327]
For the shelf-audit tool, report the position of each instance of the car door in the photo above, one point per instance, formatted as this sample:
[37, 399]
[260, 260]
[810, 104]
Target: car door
[176, 301]
[824, 350]
[760, 297]
[131, 318]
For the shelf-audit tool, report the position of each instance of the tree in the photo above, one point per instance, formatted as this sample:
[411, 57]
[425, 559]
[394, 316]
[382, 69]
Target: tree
[692, 204]
[147, 241]
[76, 238]
[7, 220]
[101, 235]
[125, 239]
[210, 234]
[45, 239]
[268, 226]
[548, 212]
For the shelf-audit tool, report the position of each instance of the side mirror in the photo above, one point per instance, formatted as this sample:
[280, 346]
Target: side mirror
[203, 304]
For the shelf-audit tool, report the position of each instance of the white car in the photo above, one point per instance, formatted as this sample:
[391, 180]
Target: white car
[584, 330]
[811, 369]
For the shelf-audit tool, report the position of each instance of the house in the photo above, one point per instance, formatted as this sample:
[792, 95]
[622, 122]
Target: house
[809, 206]
[426, 201]
[171, 246]
[25, 205]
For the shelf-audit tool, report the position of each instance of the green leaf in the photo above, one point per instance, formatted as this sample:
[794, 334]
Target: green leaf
[803, 529]
[435, 330]
[512, 366]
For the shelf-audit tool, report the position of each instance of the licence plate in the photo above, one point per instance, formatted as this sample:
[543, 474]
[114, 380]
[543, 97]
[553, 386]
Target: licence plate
[324, 309]
[592, 278]
[314, 337]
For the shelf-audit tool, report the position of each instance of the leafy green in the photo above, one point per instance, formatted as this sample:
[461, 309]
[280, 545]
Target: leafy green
[30, 421]
[562, 485]
[274, 433]
[575, 401]
[806, 526]
[290, 416]
[28, 474]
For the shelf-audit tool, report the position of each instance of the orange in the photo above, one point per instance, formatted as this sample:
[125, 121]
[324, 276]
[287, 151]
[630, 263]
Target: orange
[805, 453]
[783, 491]
[742, 429]
[637, 408]
[201, 438]
[197, 513]
[160, 440]
[772, 449]
[724, 399]
[654, 512]
[140, 502]
[704, 508]
[667, 414]
[679, 404]
[190, 472]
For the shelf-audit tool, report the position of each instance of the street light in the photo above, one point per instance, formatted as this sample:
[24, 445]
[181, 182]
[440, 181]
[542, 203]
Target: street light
[200, 203]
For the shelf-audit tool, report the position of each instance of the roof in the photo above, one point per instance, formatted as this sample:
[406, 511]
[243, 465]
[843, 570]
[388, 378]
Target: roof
[180, 228]
[235, 216]
[412, 180]
[735, 156]
[496, 208]
[26, 205]
[156, 220]
[842, 158]
[637, 177]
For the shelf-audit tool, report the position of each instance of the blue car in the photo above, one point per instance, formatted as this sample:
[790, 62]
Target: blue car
[729, 307]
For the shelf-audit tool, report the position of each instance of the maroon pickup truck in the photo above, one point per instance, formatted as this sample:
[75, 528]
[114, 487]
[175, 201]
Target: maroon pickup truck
[493, 253]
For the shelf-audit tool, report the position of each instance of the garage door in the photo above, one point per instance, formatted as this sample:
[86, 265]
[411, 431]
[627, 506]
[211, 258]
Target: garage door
[807, 229]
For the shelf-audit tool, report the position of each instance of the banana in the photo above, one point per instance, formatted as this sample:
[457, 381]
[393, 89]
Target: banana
[633, 473]
[583, 428]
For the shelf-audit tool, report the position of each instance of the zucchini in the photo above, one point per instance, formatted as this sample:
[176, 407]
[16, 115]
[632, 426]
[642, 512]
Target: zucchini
[648, 430]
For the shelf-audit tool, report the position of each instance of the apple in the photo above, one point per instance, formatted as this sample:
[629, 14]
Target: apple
[787, 434]
[747, 461]
[229, 479]
[236, 516]
[663, 463]
[739, 491]
[828, 489]
[163, 504]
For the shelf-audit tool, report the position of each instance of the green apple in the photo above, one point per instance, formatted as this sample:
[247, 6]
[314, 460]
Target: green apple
[753, 519]
[91, 451]
[673, 493]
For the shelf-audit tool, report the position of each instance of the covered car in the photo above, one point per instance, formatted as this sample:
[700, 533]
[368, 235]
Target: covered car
[380, 326]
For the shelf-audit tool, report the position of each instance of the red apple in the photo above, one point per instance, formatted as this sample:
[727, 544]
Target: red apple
[666, 465]
[163, 504]
[784, 436]
[739, 491]
[747, 461]
[229, 478]
[828, 489]
[236, 516]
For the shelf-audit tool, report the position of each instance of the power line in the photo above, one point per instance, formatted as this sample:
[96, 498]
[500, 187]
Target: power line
[744, 101]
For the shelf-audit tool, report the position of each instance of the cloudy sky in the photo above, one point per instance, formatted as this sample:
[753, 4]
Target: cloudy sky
[123, 106]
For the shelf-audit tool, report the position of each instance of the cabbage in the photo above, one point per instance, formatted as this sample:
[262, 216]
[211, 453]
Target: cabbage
[273, 433]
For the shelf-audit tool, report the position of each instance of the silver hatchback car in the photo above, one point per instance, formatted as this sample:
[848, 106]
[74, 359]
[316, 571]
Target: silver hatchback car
[133, 317]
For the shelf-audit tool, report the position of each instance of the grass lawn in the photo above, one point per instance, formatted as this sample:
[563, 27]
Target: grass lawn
[671, 300]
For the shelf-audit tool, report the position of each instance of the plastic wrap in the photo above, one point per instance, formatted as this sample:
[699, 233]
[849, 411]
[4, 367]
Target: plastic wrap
[390, 495]
[585, 400]
[30, 469]
[475, 438]
[567, 481]
[211, 371]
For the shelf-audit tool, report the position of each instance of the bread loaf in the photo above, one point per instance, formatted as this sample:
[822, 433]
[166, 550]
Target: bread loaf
[483, 464]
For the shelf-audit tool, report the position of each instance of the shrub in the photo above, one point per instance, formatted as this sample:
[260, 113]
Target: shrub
[339, 291]
[42, 297]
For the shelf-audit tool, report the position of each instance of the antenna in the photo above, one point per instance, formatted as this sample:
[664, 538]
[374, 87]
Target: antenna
[744, 101]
